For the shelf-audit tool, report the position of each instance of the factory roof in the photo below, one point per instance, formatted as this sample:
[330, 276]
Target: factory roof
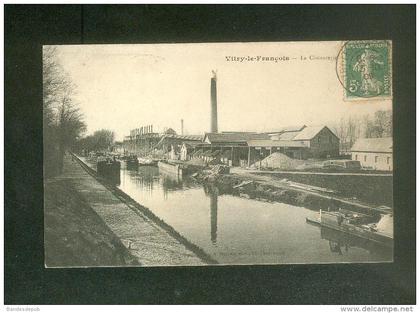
[184, 137]
[288, 135]
[275, 143]
[295, 128]
[191, 144]
[373, 145]
[232, 137]
[308, 132]
[298, 133]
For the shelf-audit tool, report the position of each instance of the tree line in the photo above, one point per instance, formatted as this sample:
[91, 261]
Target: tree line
[63, 121]
[100, 140]
[350, 128]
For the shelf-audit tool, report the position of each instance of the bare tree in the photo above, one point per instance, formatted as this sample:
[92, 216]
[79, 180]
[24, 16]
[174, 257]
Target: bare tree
[70, 126]
[379, 126]
[353, 128]
[347, 130]
[63, 121]
[55, 83]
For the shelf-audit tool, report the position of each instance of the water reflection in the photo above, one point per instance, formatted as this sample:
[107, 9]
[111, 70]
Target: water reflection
[213, 194]
[149, 177]
[144, 177]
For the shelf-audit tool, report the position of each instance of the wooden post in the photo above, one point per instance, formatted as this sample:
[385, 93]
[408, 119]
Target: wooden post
[249, 156]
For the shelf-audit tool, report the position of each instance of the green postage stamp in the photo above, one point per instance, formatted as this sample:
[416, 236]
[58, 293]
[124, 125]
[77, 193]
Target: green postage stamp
[367, 69]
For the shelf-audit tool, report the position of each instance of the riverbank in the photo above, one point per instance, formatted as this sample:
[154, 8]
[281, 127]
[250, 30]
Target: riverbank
[147, 241]
[278, 189]
[375, 189]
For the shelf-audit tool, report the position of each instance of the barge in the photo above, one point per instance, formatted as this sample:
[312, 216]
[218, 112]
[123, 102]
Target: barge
[109, 169]
[171, 168]
[369, 227]
[129, 162]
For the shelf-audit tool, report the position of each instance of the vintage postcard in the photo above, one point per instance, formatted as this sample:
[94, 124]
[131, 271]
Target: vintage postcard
[218, 153]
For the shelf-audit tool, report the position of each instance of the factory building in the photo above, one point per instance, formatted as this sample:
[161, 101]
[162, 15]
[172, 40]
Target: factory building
[170, 145]
[246, 148]
[142, 142]
[304, 142]
[373, 153]
[233, 148]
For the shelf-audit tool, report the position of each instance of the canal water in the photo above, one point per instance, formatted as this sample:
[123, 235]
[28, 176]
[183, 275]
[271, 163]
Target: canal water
[235, 230]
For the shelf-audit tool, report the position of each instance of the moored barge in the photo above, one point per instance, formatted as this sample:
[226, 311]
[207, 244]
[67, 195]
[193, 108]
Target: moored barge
[129, 162]
[360, 225]
[107, 167]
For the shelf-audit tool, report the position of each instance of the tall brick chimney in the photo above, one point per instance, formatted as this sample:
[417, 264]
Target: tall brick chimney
[213, 100]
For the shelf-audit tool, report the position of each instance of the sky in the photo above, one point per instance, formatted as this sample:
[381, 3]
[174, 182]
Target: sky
[122, 87]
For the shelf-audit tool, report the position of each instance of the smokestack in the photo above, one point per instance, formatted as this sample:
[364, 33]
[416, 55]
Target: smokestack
[213, 100]
[182, 126]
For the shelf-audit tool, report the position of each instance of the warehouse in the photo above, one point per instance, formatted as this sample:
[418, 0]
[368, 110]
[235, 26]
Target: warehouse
[233, 146]
[304, 142]
[373, 153]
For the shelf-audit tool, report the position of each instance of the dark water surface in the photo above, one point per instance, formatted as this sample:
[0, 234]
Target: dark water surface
[235, 230]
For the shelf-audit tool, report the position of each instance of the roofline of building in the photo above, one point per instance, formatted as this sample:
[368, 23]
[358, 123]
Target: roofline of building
[371, 151]
[325, 126]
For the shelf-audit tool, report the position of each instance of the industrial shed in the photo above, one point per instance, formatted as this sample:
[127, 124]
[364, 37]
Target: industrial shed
[373, 153]
[303, 142]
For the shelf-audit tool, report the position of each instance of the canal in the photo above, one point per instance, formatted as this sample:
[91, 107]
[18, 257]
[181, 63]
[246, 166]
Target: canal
[235, 230]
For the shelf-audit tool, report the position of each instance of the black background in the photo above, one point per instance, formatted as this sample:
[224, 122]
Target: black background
[27, 27]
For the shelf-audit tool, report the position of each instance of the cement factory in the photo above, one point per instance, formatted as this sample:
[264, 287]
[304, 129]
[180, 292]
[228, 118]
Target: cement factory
[231, 148]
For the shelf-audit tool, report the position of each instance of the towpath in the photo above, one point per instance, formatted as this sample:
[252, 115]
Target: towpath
[147, 241]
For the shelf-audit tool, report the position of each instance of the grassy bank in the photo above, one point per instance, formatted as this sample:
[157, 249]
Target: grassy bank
[75, 235]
